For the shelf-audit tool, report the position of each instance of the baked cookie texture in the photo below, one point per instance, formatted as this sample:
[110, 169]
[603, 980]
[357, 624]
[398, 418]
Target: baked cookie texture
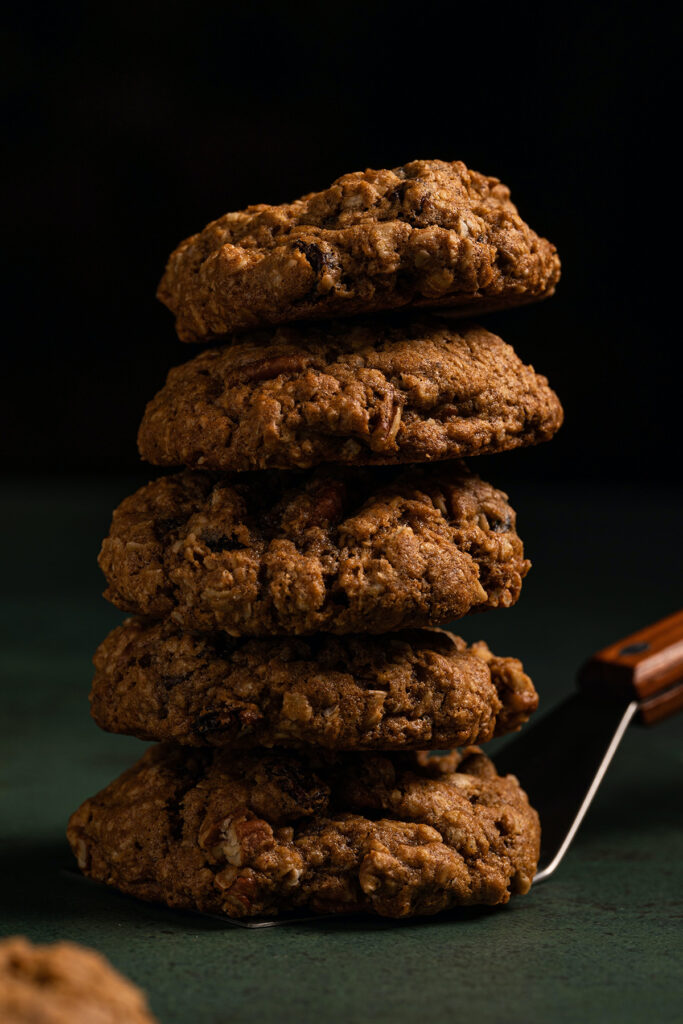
[265, 832]
[65, 983]
[376, 391]
[430, 234]
[343, 551]
[410, 690]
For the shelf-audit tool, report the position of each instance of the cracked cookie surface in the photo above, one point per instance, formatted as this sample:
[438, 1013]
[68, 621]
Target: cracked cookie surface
[349, 551]
[410, 690]
[263, 832]
[377, 391]
[65, 983]
[430, 233]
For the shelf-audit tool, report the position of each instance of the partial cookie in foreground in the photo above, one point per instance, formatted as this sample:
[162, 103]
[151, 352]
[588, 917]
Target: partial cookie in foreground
[259, 833]
[411, 690]
[343, 551]
[430, 234]
[65, 983]
[378, 391]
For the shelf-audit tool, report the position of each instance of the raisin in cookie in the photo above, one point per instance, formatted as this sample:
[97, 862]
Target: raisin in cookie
[259, 833]
[409, 690]
[365, 392]
[64, 983]
[354, 551]
[430, 234]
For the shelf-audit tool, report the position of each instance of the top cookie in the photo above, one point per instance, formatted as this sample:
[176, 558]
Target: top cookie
[65, 983]
[430, 234]
[375, 391]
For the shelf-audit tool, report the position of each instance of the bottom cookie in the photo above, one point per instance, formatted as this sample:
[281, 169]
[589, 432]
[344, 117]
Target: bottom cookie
[64, 983]
[264, 832]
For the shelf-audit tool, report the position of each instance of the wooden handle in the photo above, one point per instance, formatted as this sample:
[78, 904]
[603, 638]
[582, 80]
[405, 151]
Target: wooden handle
[646, 666]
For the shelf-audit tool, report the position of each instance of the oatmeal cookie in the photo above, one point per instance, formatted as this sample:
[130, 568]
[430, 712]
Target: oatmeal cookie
[349, 551]
[366, 392]
[409, 690]
[258, 833]
[65, 983]
[429, 234]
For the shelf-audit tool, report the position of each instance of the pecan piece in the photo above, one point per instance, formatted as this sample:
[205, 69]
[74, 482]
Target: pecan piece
[387, 424]
[236, 839]
[267, 369]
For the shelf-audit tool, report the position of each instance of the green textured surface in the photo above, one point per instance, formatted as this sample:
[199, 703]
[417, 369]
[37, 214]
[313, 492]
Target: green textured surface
[599, 942]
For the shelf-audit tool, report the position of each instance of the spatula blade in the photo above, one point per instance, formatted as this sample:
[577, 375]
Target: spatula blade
[561, 761]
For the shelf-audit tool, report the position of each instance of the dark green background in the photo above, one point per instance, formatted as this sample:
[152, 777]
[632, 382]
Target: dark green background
[130, 130]
[600, 941]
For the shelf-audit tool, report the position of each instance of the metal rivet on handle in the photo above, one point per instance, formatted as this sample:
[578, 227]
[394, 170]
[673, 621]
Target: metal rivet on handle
[634, 648]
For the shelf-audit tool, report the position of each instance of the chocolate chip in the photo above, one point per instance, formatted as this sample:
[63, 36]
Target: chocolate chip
[210, 721]
[397, 194]
[418, 210]
[230, 722]
[314, 254]
[502, 525]
[213, 389]
[295, 783]
[170, 681]
[164, 526]
[217, 542]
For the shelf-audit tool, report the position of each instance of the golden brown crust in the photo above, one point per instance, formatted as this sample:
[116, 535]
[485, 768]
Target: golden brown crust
[379, 391]
[261, 833]
[430, 234]
[65, 983]
[410, 690]
[344, 552]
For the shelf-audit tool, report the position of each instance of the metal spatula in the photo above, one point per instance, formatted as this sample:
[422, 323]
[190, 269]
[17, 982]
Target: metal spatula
[562, 760]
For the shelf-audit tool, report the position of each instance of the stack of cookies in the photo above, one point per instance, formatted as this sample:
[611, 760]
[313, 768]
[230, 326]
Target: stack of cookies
[286, 583]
